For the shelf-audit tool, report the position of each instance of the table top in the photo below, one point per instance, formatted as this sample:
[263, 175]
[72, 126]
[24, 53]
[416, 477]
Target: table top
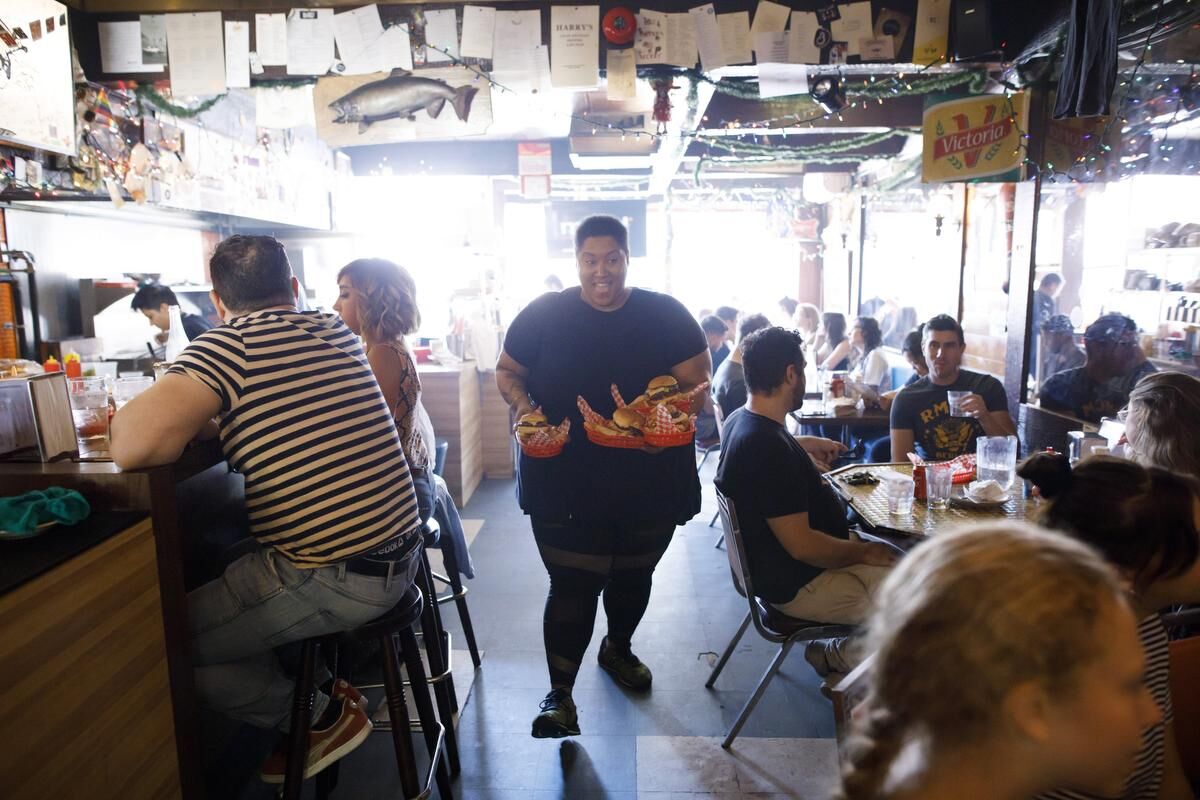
[870, 501]
[813, 413]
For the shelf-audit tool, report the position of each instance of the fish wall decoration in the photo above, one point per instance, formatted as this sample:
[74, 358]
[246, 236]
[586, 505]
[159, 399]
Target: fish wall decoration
[400, 96]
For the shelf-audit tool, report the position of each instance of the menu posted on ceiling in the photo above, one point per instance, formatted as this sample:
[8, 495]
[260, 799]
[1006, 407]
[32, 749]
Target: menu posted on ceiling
[575, 47]
[37, 102]
[975, 137]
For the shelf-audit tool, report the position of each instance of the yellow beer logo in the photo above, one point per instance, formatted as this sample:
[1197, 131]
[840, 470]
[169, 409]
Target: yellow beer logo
[973, 137]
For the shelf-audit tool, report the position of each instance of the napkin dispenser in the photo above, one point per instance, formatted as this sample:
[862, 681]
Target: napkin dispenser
[35, 418]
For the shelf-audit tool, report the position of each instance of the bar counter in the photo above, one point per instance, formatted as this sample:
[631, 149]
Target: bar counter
[99, 697]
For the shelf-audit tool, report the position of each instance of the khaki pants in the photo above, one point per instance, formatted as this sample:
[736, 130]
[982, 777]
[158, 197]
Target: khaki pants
[840, 596]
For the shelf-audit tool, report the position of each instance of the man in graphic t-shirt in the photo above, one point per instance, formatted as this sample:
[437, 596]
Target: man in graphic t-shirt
[1102, 385]
[921, 421]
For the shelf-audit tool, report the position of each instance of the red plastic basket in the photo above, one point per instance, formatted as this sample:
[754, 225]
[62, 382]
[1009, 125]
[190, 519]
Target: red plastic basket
[542, 451]
[619, 442]
[671, 439]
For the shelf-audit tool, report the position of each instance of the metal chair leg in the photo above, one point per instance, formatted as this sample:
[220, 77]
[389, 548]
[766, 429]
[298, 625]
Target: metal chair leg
[302, 703]
[758, 693]
[712, 523]
[429, 725]
[729, 648]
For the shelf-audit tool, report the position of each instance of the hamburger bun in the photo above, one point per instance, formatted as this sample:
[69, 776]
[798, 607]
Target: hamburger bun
[628, 421]
[530, 424]
[664, 387]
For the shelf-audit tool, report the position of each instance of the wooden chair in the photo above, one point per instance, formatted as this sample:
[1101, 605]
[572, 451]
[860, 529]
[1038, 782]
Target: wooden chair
[1185, 700]
[772, 625]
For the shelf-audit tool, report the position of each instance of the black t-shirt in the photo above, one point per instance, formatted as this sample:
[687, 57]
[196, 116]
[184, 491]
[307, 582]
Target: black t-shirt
[924, 409]
[729, 386]
[194, 325]
[572, 349]
[767, 474]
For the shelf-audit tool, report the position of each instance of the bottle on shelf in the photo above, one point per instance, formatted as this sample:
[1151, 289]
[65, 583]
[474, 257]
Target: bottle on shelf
[72, 365]
[52, 365]
[177, 338]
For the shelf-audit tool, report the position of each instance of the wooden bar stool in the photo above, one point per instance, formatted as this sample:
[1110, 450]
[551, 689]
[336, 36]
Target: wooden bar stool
[392, 629]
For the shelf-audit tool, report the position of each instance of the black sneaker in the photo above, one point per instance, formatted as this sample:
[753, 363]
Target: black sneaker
[622, 664]
[558, 717]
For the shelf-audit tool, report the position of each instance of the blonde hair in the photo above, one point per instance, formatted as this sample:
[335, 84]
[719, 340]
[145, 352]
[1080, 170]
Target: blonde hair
[960, 621]
[811, 315]
[1165, 407]
[389, 306]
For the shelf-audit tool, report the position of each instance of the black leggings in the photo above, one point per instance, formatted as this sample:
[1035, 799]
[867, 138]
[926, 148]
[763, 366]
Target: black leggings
[583, 562]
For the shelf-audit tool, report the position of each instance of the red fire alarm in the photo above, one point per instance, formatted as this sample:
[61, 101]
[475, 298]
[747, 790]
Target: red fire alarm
[620, 25]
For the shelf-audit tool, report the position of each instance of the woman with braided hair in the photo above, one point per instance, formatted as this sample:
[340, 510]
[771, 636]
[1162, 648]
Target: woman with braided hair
[377, 299]
[1005, 662]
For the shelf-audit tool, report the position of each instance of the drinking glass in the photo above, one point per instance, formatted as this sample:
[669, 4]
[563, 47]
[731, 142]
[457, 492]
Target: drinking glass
[955, 399]
[938, 480]
[900, 492]
[125, 389]
[89, 408]
[996, 459]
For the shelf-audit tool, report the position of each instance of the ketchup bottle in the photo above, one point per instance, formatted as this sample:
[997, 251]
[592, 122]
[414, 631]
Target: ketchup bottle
[919, 483]
[52, 365]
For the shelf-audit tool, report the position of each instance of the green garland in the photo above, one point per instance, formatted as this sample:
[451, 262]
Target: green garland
[146, 92]
[807, 152]
[895, 87]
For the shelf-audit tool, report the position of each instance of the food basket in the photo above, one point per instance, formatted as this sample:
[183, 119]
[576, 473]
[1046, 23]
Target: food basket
[619, 442]
[964, 466]
[542, 450]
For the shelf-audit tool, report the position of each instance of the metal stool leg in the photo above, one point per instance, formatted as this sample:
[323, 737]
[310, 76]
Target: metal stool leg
[406, 761]
[443, 683]
[439, 635]
[429, 724]
[302, 703]
[459, 593]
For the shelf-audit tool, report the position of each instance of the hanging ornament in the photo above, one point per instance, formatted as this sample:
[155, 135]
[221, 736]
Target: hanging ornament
[662, 104]
[619, 26]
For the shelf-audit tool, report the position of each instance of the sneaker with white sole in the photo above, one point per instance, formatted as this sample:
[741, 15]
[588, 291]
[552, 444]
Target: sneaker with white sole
[351, 729]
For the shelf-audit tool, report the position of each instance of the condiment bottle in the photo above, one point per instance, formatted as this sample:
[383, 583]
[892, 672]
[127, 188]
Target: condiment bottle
[919, 483]
[52, 365]
[72, 366]
[177, 338]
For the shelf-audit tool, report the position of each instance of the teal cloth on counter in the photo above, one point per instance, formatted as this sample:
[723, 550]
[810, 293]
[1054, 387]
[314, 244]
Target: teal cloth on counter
[23, 513]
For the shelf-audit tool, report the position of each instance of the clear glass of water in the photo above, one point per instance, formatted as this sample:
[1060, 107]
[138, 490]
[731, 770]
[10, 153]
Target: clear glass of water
[955, 400]
[125, 389]
[900, 491]
[89, 408]
[939, 478]
[996, 459]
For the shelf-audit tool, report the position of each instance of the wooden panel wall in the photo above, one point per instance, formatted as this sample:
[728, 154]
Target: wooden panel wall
[451, 396]
[86, 707]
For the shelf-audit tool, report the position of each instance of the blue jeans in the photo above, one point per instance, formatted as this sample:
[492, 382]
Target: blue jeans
[261, 602]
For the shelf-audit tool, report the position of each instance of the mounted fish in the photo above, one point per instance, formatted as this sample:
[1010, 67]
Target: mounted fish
[400, 96]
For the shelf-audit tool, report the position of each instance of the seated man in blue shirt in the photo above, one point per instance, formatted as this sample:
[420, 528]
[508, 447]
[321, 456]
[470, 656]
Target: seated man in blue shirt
[799, 548]
[1101, 387]
[921, 421]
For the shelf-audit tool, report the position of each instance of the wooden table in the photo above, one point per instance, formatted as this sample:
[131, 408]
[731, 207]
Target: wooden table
[812, 413]
[870, 501]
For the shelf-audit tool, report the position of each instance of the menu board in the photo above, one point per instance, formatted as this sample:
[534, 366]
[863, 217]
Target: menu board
[37, 106]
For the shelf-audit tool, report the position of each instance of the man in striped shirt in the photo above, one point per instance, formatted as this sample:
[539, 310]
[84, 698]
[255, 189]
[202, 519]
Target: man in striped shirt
[328, 492]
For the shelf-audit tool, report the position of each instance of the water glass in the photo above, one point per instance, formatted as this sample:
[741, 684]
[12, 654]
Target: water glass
[89, 408]
[125, 389]
[939, 478]
[955, 399]
[900, 492]
[996, 459]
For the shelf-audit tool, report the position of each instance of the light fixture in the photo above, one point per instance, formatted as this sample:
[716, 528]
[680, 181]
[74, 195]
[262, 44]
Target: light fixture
[828, 94]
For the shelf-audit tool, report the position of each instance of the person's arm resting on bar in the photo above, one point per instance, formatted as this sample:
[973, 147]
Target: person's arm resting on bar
[154, 427]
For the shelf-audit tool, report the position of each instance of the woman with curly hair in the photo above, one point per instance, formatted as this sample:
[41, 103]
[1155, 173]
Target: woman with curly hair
[1005, 662]
[377, 299]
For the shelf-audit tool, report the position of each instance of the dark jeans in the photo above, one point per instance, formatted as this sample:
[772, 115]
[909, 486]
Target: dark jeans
[585, 561]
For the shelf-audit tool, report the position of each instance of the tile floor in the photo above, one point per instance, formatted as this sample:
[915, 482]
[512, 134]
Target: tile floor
[664, 745]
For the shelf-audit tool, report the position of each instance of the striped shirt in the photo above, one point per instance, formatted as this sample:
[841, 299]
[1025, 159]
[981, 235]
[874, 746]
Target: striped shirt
[303, 420]
[1147, 776]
